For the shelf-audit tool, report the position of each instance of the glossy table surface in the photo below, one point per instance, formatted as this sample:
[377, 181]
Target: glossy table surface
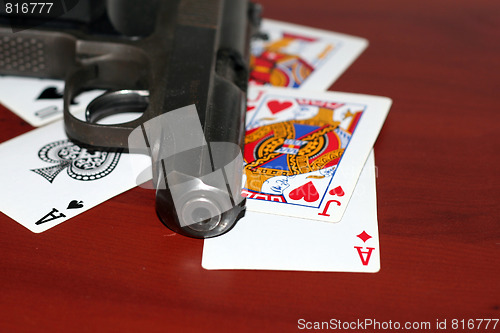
[117, 268]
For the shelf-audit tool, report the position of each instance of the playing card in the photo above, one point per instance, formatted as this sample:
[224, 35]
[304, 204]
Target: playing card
[265, 241]
[47, 179]
[294, 56]
[39, 101]
[304, 151]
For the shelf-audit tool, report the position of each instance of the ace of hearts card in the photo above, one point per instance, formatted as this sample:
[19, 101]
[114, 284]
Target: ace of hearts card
[304, 151]
[265, 241]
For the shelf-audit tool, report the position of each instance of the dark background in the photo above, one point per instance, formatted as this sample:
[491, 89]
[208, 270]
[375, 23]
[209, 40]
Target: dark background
[117, 268]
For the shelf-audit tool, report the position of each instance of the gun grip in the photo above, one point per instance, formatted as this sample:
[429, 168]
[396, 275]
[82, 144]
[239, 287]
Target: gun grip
[33, 53]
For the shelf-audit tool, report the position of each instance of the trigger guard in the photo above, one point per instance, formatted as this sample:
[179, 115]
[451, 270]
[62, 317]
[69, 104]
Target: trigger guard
[115, 102]
[91, 133]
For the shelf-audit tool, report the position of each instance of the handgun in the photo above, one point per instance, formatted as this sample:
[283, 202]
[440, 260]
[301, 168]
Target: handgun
[152, 57]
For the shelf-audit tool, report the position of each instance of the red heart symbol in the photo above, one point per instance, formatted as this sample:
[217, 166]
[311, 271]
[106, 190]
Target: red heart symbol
[307, 191]
[250, 108]
[277, 106]
[338, 191]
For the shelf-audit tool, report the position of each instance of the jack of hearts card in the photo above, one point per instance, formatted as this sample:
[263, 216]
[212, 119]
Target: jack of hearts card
[304, 151]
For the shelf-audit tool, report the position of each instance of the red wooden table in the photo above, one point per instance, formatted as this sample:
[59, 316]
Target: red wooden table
[117, 268]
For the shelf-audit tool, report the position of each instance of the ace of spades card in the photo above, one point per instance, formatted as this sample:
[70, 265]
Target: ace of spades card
[47, 179]
[304, 151]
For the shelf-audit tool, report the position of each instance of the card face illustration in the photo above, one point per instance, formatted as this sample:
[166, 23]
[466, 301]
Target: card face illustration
[39, 101]
[304, 151]
[266, 241]
[47, 179]
[294, 56]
